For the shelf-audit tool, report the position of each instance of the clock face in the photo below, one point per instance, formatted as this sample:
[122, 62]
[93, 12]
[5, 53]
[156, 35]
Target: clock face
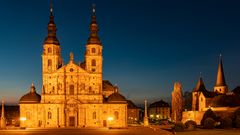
[71, 70]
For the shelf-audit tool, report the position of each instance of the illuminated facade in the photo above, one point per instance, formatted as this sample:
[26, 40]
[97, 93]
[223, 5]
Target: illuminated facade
[73, 95]
[219, 100]
[159, 110]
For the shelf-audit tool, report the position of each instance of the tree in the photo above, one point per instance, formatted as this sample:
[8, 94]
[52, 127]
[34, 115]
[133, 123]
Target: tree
[177, 102]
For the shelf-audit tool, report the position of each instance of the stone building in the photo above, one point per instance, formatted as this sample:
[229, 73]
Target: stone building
[159, 110]
[220, 99]
[133, 113]
[73, 95]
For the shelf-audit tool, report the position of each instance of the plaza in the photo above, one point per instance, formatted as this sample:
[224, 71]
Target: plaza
[87, 131]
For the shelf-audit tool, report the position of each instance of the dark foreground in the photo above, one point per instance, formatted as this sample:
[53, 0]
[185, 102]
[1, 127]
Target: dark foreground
[129, 131]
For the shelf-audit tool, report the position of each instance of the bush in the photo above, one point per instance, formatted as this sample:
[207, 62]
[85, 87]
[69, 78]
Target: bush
[226, 123]
[236, 118]
[179, 127]
[209, 123]
[191, 125]
[237, 122]
[209, 114]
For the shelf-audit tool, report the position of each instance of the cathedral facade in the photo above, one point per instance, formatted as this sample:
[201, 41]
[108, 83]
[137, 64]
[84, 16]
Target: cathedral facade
[73, 95]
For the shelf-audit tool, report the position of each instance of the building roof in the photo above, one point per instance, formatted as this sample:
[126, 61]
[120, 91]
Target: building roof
[200, 86]
[220, 75]
[107, 86]
[93, 37]
[209, 94]
[131, 105]
[160, 103]
[116, 97]
[52, 29]
[236, 90]
[223, 100]
[31, 97]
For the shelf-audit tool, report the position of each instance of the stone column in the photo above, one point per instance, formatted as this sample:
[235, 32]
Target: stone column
[145, 120]
[3, 120]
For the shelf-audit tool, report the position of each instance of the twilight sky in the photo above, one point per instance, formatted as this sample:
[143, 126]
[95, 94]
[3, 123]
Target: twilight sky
[148, 44]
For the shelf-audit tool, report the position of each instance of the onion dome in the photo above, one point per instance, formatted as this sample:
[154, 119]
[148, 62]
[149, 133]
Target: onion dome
[116, 97]
[31, 97]
[223, 100]
[52, 29]
[94, 38]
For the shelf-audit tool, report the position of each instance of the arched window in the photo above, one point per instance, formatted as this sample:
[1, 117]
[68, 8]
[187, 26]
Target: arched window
[49, 63]
[94, 115]
[49, 50]
[93, 50]
[116, 115]
[49, 115]
[93, 62]
[71, 89]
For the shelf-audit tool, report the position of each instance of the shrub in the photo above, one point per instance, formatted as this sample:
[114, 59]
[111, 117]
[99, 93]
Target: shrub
[226, 123]
[237, 122]
[209, 123]
[209, 114]
[179, 127]
[236, 118]
[191, 125]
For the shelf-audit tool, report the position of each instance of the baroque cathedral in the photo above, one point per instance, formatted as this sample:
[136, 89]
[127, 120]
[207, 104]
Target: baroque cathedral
[73, 95]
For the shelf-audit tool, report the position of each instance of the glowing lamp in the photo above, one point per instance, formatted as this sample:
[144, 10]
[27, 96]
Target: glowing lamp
[23, 118]
[110, 118]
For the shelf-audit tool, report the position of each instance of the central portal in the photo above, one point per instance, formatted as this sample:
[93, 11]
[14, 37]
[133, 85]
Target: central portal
[72, 121]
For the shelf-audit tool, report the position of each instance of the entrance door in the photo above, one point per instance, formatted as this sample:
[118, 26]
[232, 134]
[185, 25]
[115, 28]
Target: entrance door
[71, 121]
[104, 123]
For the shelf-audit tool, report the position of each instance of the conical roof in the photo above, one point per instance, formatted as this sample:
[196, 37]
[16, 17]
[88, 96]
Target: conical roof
[200, 87]
[220, 74]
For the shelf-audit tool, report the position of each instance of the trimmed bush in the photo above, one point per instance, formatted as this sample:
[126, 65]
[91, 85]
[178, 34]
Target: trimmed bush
[209, 123]
[209, 114]
[179, 127]
[226, 123]
[191, 125]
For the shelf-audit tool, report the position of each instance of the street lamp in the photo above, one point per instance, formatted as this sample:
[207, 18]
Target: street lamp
[23, 119]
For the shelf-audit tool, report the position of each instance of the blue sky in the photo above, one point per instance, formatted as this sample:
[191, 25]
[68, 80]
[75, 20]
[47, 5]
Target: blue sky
[148, 44]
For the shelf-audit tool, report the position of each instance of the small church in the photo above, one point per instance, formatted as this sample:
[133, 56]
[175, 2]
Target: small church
[73, 94]
[218, 100]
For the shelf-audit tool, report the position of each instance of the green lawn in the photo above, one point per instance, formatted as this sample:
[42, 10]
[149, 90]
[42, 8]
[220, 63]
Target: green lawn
[211, 132]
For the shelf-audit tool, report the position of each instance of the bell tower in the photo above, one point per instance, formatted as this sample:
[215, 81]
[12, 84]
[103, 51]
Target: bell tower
[51, 56]
[93, 54]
